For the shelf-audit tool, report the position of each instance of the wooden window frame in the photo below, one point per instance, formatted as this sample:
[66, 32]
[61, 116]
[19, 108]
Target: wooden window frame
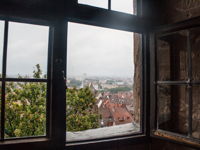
[187, 140]
[57, 21]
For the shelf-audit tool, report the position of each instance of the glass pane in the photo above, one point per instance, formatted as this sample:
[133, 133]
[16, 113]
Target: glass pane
[126, 6]
[195, 45]
[25, 113]
[103, 95]
[1, 44]
[27, 47]
[96, 3]
[172, 56]
[196, 112]
[173, 108]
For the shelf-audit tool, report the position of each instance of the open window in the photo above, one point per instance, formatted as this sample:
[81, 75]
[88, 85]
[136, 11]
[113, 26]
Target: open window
[23, 80]
[104, 83]
[176, 85]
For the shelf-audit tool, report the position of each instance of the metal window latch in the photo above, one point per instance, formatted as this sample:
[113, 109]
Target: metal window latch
[64, 79]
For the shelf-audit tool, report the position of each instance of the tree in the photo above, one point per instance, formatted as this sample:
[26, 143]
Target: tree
[81, 114]
[26, 107]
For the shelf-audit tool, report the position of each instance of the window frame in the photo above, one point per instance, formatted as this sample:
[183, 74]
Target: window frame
[17, 140]
[57, 37]
[143, 82]
[136, 11]
[154, 130]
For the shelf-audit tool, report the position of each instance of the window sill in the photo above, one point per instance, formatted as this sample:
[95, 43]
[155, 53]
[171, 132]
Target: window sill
[106, 132]
[173, 137]
[23, 141]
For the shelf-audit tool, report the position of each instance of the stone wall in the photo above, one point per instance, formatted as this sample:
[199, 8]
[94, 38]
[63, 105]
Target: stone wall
[178, 10]
[173, 65]
[137, 77]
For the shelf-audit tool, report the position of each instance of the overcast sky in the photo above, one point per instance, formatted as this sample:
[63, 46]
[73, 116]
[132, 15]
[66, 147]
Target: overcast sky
[99, 51]
[117, 5]
[27, 46]
[92, 50]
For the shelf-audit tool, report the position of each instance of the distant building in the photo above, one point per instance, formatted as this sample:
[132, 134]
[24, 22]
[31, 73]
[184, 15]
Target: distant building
[113, 113]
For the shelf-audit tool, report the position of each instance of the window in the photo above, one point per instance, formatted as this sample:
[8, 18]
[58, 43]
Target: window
[125, 6]
[177, 83]
[1, 42]
[96, 3]
[23, 80]
[103, 83]
[32, 99]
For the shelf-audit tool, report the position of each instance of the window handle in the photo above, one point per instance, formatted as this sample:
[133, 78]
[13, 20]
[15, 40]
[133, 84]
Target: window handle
[64, 79]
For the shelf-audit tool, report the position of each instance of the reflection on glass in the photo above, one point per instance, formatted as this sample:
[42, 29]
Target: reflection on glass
[25, 113]
[27, 47]
[1, 43]
[172, 57]
[172, 108]
[96, 3]
[100, 74]
[125, 6]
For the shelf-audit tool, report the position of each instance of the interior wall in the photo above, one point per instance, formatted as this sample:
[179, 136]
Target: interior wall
[163, 145]
[173, 11]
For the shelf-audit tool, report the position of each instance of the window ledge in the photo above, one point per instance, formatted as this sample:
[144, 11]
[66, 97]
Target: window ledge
[23, 141]
[105, 132]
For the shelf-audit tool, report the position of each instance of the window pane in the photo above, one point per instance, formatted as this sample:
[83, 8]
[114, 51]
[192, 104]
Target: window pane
[196, 112]
[125, 6]
[25, 109]
[27, 47]
[102, 100]
[1, 43]
[195, 44]
[172, 108]
[96, 3]
[172, 56]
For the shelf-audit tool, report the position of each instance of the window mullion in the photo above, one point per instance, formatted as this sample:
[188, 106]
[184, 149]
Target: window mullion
[189, 85]
[3, 80]
[109, 4]
[58, 115]
[49, 83]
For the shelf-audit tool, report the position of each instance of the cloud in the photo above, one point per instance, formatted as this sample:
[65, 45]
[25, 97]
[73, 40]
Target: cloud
[99, 51]
[92, 50]
[27, 46]
[96, 3]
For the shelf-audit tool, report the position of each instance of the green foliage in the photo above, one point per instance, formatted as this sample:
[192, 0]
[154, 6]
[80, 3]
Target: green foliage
[38, 72]
[81, 114]
[110, 82]
[119, 89]
[25, 108]
[74, 83]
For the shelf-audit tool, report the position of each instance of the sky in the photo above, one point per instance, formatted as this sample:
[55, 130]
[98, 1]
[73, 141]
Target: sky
[125, 6]
[27, 46]
[92, 50]
[98, 51]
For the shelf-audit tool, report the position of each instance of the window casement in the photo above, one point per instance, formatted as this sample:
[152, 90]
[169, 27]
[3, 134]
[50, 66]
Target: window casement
[54, 133]
[25, 87]
[104, 98]
[175, 84]
[127, 6]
